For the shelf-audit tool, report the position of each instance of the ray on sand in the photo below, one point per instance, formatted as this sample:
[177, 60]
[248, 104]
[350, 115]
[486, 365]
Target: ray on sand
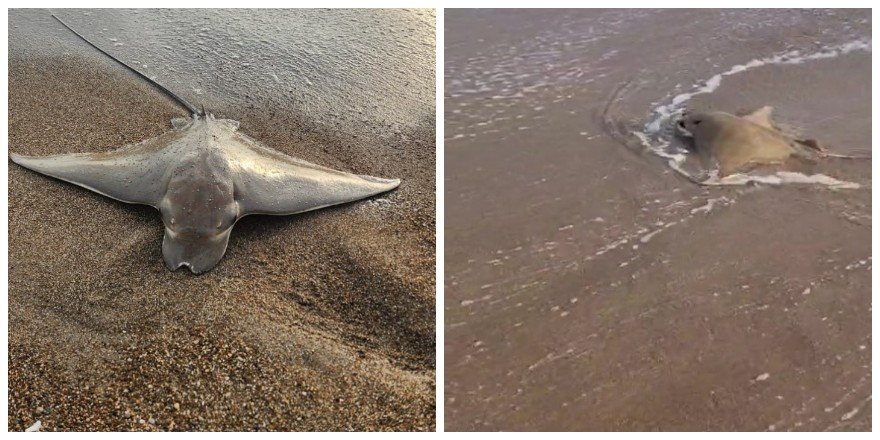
[203, 176]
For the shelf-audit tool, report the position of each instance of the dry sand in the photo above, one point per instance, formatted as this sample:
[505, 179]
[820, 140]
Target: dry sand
[590, 287]
[321, 321]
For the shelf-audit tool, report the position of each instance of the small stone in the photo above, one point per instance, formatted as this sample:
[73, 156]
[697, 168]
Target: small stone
[35, 427]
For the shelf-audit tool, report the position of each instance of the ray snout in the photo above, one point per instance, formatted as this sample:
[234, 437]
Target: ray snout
[199, 253]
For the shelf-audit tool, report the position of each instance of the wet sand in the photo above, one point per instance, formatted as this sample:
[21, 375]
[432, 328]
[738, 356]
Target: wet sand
[589, 286]
[320, 321]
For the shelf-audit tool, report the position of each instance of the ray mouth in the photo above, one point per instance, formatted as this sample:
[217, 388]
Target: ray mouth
[188, 265]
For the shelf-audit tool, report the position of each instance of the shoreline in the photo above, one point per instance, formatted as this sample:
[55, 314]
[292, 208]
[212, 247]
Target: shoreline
[590, 287]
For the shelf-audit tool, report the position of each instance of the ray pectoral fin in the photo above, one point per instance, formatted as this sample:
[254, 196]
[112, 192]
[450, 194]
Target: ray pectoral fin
[294, 189]
[128, 178]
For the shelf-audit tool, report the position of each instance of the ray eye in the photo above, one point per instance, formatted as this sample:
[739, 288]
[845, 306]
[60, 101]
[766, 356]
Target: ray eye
[697, 121]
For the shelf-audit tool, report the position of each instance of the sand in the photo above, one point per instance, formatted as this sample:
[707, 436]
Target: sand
[588, 286]
[321, 321]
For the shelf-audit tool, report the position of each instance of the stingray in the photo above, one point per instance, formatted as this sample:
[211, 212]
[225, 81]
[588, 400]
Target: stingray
[742, 143]
[203, 176]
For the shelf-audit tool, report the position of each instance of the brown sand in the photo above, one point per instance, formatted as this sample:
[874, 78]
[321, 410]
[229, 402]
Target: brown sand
[321, 321]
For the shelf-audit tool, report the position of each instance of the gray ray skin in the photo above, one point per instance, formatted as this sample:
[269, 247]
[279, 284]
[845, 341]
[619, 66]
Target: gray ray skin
[204, 176]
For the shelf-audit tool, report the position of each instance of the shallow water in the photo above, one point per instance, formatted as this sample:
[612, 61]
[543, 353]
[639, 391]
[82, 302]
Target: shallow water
[591, 286]
[498, 89]
[358, 69]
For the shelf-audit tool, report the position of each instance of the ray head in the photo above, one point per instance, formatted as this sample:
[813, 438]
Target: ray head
[199, 211]
[695, 123]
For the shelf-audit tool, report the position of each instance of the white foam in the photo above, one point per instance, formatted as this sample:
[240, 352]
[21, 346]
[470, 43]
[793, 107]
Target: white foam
[647, 237]
[782, 178]
[663, 112]
[710, 204]
[611, 246]
[857, 264]
[850, 414]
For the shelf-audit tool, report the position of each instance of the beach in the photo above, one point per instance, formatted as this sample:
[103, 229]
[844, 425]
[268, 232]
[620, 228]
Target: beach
[319, 321]
[590, 285]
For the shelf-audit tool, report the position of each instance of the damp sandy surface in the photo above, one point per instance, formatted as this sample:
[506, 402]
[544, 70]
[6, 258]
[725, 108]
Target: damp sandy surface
[590, 286]
[359, 70]
[321, 321]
